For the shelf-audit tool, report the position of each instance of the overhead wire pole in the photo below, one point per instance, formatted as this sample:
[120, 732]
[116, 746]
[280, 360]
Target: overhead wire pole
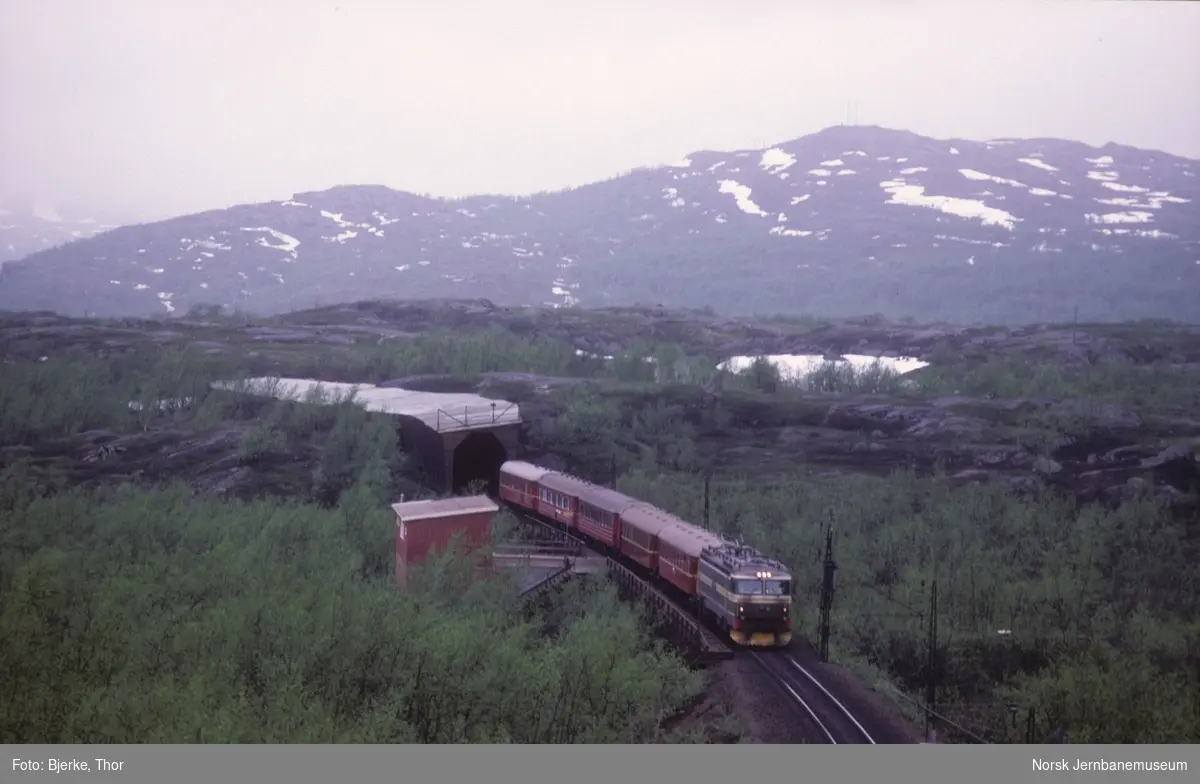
[931, 681]
[707, 481]
[830, 566]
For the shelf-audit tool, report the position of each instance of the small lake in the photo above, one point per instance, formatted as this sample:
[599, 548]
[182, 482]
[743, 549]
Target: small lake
[800, 365]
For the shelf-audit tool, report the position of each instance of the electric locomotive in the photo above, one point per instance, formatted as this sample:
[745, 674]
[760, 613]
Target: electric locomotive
[747, 594]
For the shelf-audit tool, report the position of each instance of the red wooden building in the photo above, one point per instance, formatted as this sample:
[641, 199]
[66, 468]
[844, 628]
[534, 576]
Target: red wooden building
[425, 526]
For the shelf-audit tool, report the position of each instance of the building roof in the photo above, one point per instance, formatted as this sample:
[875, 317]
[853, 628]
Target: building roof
[688, 539]
[523, 470]
[432, 509]
[443, 412]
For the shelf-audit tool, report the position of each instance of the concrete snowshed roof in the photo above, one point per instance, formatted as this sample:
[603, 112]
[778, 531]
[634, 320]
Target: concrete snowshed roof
[441, 411]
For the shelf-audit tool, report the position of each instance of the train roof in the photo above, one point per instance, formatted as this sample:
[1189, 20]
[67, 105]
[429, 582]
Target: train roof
[689, 539]
[564, 483]
[522, 470]
[735, 558]
[606, 499]
[647, 518]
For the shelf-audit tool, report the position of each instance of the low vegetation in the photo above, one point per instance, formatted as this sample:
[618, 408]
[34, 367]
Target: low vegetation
[1088, 617]
[137, 611]
[150, 616]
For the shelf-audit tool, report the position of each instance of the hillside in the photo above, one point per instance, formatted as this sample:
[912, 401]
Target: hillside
[1046, 476]
[27, 231]
[847, 221]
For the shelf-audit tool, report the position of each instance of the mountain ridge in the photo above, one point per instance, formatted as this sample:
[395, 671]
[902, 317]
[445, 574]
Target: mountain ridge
[1006, 230]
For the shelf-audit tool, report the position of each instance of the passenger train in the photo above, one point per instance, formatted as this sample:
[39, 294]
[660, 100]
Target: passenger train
[745, 594]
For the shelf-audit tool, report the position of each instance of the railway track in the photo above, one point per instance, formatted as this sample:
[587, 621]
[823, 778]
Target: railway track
[834, 722]
[816, 704]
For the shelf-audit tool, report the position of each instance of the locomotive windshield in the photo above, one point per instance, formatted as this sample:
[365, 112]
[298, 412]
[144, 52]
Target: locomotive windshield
[761, 587]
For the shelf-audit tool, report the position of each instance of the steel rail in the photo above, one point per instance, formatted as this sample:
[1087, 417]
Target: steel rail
[805, 705]
[838, 703]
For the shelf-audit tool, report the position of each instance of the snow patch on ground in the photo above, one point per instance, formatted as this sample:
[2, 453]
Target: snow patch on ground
[1120, 186]
[741, 196]
[1151, 233]
[1038, 164]
[1121, 217]
[287, 244]
[1150, 201]
[834, 162]
[209, 243]
[798, 199]
[971, 174]
[949, 238]
[914, 196]
[775, 160]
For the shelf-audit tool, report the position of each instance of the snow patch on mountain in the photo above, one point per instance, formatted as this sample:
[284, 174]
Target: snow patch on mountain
[741, 197]
[287, 244]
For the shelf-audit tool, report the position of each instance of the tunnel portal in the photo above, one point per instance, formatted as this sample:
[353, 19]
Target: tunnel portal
[478, 457]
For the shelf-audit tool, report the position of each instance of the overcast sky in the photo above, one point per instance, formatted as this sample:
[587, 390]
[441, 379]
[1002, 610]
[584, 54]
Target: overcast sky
[157, 107]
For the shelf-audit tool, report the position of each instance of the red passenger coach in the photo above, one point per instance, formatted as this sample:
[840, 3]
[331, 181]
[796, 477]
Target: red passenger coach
[679, 549]
[559, 497]
[600, 513]
[519, 483]
[640, 525]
